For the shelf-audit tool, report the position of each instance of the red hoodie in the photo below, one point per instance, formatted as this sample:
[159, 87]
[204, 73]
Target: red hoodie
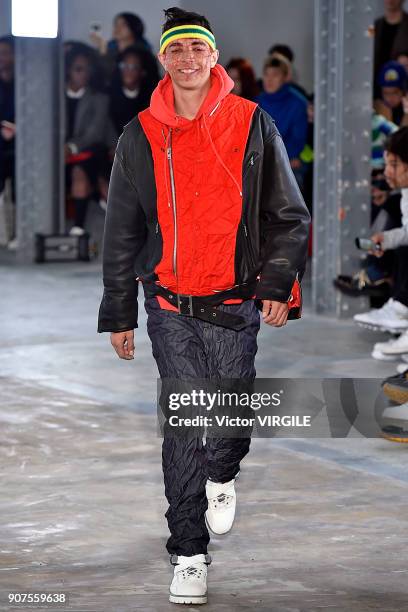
[198, 174]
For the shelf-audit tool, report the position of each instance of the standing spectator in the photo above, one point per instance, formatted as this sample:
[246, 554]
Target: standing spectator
[242, 73]
[132, 86]
[286, 107]
[391, 34]
[86, 132]
[393, 104]
[7, 117]
[128, 31]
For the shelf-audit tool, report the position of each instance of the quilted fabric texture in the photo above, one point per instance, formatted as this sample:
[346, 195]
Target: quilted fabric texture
[188, 348]
[207, 156]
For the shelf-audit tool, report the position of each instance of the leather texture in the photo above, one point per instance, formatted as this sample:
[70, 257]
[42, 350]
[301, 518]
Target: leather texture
[271, 239]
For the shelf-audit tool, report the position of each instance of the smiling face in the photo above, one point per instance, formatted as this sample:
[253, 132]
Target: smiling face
[188, 62]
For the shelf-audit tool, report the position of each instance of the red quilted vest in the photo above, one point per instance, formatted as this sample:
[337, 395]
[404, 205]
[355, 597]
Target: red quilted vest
[205, 177]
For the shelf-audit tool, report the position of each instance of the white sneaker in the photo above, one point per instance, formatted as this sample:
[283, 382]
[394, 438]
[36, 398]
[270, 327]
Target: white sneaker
[76, 231]
[222, 501]
[393, 316]
[397, 347]
[189, 584]
[402, 367]
[377, 354]
[396, 413]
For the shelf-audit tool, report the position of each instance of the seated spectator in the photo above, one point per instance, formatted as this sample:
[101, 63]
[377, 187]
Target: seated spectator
[132, 86]
[390, 36]
[393, 104]
[374, 278]
[283, 52]
[7, 118]
[287, 107]
[396, 173]
[86, 133]
[393, 316]
[242, 73]
[381, 128]
[127, 31]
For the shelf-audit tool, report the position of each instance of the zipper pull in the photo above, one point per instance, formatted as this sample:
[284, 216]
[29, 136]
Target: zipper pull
[157, 227]
[245, 229]
[251, 161]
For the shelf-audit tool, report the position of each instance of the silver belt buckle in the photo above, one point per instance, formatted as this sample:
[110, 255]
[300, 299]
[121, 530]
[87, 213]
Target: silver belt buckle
[184, 308]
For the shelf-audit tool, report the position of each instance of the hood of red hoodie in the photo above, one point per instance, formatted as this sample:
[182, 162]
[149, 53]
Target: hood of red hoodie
[162, 100]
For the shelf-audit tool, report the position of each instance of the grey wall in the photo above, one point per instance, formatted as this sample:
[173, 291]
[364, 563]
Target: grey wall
[77, 15]
[249, 27]
[5, 17]
[242, 27]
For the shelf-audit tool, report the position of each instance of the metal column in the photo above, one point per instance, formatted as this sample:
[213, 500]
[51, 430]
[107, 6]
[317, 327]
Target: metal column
[343, 110]
[39, 140]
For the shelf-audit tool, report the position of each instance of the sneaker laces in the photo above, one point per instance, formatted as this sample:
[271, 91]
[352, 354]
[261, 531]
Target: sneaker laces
[222, 499]
[191, 571]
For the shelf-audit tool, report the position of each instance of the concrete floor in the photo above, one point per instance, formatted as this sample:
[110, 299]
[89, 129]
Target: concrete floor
[321, 523]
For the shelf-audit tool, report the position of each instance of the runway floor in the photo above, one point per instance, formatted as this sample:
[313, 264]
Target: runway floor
[321, 523]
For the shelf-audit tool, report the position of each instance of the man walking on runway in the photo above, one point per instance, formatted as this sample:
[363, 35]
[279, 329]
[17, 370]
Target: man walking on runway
[204, 211]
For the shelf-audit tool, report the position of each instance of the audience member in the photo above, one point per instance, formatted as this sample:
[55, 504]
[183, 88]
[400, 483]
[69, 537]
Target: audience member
[284, 52]
[287, 107]
[127, 31]
[242, 73]
[132, 86]
[393, 104]
[393, 316]
[381, 128]
[86, 133]
[391, 35]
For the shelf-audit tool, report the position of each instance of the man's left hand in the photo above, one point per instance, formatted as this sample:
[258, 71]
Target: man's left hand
[275, 313]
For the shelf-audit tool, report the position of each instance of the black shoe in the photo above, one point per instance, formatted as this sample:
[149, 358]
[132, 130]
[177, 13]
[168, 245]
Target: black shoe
[360, 284]
[395, 434]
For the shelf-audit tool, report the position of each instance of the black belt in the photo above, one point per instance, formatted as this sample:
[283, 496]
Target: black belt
[201, 307]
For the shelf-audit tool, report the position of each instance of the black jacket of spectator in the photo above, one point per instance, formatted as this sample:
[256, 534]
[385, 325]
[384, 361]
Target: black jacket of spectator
[390, 40]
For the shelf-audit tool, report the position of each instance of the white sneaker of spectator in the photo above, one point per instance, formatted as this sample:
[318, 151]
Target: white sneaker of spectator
[378, 351]
[393, 316]
[398, 346]
[402, 367]
[396, 413]
[76, 231]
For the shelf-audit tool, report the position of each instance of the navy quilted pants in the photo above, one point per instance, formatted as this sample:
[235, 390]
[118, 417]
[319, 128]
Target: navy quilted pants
[188, 348]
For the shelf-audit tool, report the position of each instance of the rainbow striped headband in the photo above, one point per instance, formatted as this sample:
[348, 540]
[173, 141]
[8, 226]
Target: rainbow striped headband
[187, 31]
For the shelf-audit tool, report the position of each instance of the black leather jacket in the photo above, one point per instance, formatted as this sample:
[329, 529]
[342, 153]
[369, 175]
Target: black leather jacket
[271, 240]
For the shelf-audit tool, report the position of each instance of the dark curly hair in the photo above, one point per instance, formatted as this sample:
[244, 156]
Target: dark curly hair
[176, 16]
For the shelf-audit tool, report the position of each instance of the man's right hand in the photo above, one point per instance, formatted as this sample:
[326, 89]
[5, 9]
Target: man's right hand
[123, 343]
